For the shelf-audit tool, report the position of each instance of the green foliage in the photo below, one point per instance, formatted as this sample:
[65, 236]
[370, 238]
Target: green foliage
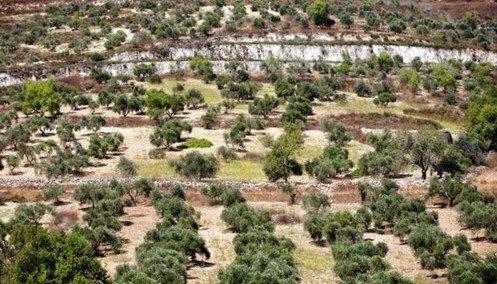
[263, 106]
[40, 97]
[363, 89]
[471, 268]
[235, 136]
[202, 67]
[226, 153]
[388, 159]
[333, 161]
[241, 218]
[280, 161]
[198, 143]
[336, 132]
[232, 197]
[160, 104]
[320, 10]
[452, 191]
[240, 91]
[169, 132]
[53, 193]
[481, 113]
[126, 167]
[433, 246]
[114, 40]
[315, 202]
[425, 148]
[479, 216]
[194, 98]
[209, 119]
[384, 99]
[214, 192]
[196, 165]
[41, 256]
[144, 71]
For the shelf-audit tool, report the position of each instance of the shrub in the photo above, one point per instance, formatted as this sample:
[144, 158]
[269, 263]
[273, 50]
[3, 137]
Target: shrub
[263, 106]
[452, 191]
[226, 153]
[196, 165]
[126, 167]
[384, 99]
[214, 192]
[242, 218]
[194, 98]
[209, 119]
[169, 132]
[280, 161]
[319, 10]
[387, 159]
[144, 186]
[184, 240]
[433, 246]
[198, 143]
[53, 193]
[479, 216]
[336, 132]
[363, 89]
[42, 254]
[315, 202]
[232, 197]
[333, 161]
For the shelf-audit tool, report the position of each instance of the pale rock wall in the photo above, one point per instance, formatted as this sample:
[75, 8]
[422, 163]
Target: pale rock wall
[253, 50]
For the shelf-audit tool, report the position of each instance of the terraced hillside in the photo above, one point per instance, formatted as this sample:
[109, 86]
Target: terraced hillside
[313, 141]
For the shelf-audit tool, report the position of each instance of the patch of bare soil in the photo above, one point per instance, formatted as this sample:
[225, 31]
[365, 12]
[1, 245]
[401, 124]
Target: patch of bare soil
[219, 241]
[137, 221]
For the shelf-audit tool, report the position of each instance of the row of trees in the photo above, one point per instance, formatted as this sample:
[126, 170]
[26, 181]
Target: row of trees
[260, 255]
[170, 247]
[419, 228]
[356, 259]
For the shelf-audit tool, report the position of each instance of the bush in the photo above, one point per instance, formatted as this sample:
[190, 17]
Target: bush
[333, 161]
[336, 132]
[143, 71]
[433, 246]
[452, 191]
[320, 10]
[126, 167]
[241, 218]
[471, 268]
[387, 159]
[53, 193]
[194, 98]
[384, 99]
[363, 89]
[226, 153]
[196, 165]
[315, 202]
[479, 216]
[198, 143]
[214, 192]
[42, 254]
[169, 133]
[232, 197]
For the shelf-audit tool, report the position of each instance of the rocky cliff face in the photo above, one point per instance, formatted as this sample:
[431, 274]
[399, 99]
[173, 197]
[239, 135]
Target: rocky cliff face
[253, 50]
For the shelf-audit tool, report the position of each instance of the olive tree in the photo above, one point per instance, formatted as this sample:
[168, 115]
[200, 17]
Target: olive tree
[196, 165]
